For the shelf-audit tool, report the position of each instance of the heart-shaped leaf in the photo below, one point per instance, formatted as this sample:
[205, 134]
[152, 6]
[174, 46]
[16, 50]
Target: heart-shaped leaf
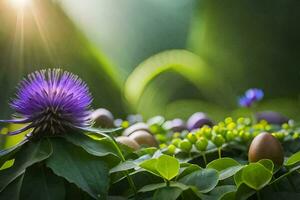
[226, 167]
[150, 165]
[268, 164]
[204, 180]
[256, 176]
[167, 166]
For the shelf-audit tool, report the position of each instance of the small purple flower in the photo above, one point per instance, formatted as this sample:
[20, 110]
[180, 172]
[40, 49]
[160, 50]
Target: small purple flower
[50, 102]
[251, 96]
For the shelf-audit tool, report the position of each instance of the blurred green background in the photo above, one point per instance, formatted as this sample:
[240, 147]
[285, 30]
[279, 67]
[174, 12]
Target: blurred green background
[225, 47]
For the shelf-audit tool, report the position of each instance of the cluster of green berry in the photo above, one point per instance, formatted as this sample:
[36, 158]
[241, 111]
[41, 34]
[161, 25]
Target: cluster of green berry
[242, 131]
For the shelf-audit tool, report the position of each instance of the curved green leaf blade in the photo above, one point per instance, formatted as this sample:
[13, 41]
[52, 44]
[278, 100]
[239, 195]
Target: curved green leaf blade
[96, 147]
[238, 178]
[256, 176]
[184, 63]
[219, 192]
[170, 193]
[204, 180]
[151, 187]
[8, 153]
[46, 185]
[295, 158]
[12, 191]
[30, 153]
[123, 166]
[226, 167]
[88, 172]
[268, 164]
[244, 192]
[150, 165]
[191, 168]
[167, 166]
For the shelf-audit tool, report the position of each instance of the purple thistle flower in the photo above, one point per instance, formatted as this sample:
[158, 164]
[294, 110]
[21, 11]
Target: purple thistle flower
[251, 96]
[50, 102]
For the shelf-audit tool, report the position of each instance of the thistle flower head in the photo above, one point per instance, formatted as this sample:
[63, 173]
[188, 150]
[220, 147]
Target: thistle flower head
[50, 102]
[251, 96]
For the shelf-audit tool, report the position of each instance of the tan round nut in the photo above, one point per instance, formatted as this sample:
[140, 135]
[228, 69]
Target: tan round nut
[136, 127]
[103, 118]
[144, 138]
[266, 146]
[128, 142]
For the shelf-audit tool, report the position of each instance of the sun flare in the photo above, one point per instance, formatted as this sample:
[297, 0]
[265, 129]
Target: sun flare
[20, 4]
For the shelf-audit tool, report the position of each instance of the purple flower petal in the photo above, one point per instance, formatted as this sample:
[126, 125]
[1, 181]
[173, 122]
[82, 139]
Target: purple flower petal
[51, 101]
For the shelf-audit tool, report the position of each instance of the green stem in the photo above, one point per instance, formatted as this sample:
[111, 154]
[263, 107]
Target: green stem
[167, 182]
[130, 181]
[219, 152]
[253, 111]
[204, 158]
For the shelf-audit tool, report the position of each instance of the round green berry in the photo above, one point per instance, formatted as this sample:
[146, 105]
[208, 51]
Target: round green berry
[176, 141]
[162, 146]
[230, 135]
[176, 135]
[185, 145]
[192, 137]
[246, 136]
[161, 138]
[228, 120]
[218, 140]
[125, 124]
[171, 149]
[201, 144]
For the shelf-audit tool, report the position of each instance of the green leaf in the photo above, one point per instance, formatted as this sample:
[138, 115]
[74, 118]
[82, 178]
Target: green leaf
[219, 192]
[167, 166]
[8, 164]
[46, 185]
[191, 168]
[238, 178]
[30, 153]
[150, 165]
[226, 167]
[170, 193]
[204, 180]
[123, 166]
[12, 191]
[96, 147]
[88, 172]
[151, 187]
[183, 62]
[6, 154]
[256, 176]
[295, 158]
[268, 164]
[244, 192]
